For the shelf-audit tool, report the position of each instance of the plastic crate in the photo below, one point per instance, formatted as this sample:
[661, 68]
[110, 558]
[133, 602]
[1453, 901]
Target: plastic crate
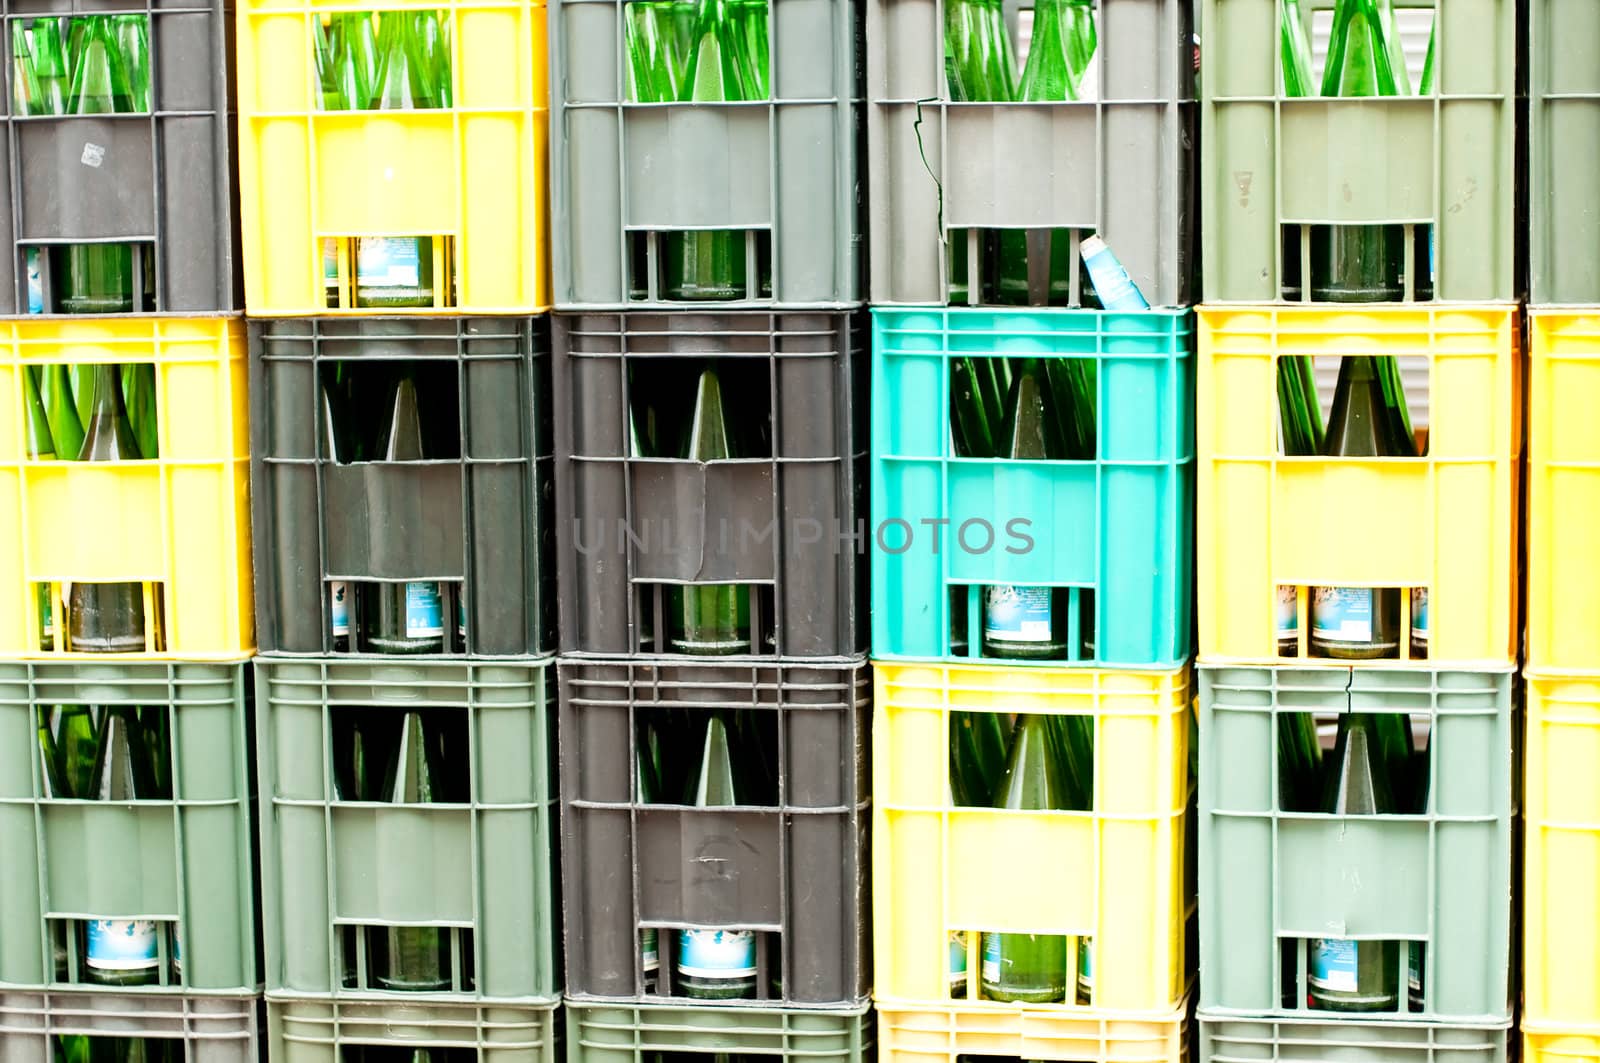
[782, 170]
[182, 520]
[1226, 1040]
[787, 521]
[1118, 164]
[1561, 862]
[1442, 877]
[1563, 84]
[473, 174]
[1448, 160]
[484, 519]
[599, 1033]
[1543, 1043]
[304, 1031]
[163, 179]
[948, 1033]
[483, 866]
[211, 1029]
[1119, 526]
[1563, 490]
[1116, 872]
[1449, 520]
[797, 869]
[187, 862]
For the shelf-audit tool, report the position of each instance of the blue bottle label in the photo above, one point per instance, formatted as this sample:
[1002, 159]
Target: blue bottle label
[1419, 615]
[1288, 614]
[1017, 614]
[991, 958]
[1333, 965]
[957, 947]
[389, 262]
[35, 283]
[1111, 281]
[1085, 966]
[339, 593]
[330, 261]
[1414, 970]
[122, 944]
[1342, 614]
[717, 953]
[424, 610]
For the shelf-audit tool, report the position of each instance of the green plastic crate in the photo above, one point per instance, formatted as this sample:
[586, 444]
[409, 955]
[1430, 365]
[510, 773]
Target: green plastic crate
[323, 1031]
[1447, 160]
[186, 861]
[1300, 1041]
[213, 1029]
[1442, 877]
[601, 1033]
[484, 866]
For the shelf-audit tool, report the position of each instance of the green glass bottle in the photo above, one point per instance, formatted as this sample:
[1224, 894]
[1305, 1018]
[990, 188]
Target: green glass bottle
[1346, 975]
[41, 447]
[1426, 86]
[1295, 49]
[50, 64]
[68, 743]
[655, 64]
[139, 393]
[415, 958]
[1299, 763]
[978, 744]
[432, 50]
[709, 618]
[979, 388]
[711, 263]
[1028, 968]
[133, 38]
[1083, 42]
[1028, 622]
[55, 393]
[979, 49]
[1300, 435]
[27, 95]
[717, 963]
[404, 617]
[1048, 76]
[97, 278]
[107, 617]
[83, 376]
[355, 59]
[752, 15]
[647, 790]
[1358, 263]
[1366, 421]
[325, 44]
[1393, 48]
[154, 760]
[1072, 745]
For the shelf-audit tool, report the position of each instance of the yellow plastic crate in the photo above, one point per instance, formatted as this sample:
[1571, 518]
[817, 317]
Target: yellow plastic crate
[182, 520]
[476, 173]
[1446, 522]
[1561, 868]
[1564, 489]
[1542, 1043]
[1116, 873]
[908, 1033]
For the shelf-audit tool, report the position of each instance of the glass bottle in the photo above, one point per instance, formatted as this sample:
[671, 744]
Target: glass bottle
[107, 617]
[655, 65]
[97, 278]
[1347, 975]
[1028, 968]
[133, 38]
[139, 394]
[709, 618]
[716, 963]
[415, 958]
[978, 744]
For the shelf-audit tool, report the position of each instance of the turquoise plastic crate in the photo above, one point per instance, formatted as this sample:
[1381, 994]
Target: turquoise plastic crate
[1121, 525]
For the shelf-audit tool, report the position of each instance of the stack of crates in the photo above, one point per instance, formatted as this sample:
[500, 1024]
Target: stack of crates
[452, 533]
[1561, 867]
[654, 881]
[1108, 538]
[127, 920]
[1278, 874]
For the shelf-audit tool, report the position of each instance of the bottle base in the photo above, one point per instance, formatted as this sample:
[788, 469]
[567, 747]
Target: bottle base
[710, 647]
[1025, 651]
[1054, 994]
[381, 644]
[1354, 651]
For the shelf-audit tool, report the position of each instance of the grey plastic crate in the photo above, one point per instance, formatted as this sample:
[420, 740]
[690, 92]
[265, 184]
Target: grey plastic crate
[797, 870]
[1229, 1040]
[187, 862]
[1563, 145]
[785, 167]
[483, 520]
[304, 1031]
[213, 1029]
[1119, 164]
[482, 866]
[1448, 160]
[166, 179]
[784, 522]
[1442, 877]
[602, 1034]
